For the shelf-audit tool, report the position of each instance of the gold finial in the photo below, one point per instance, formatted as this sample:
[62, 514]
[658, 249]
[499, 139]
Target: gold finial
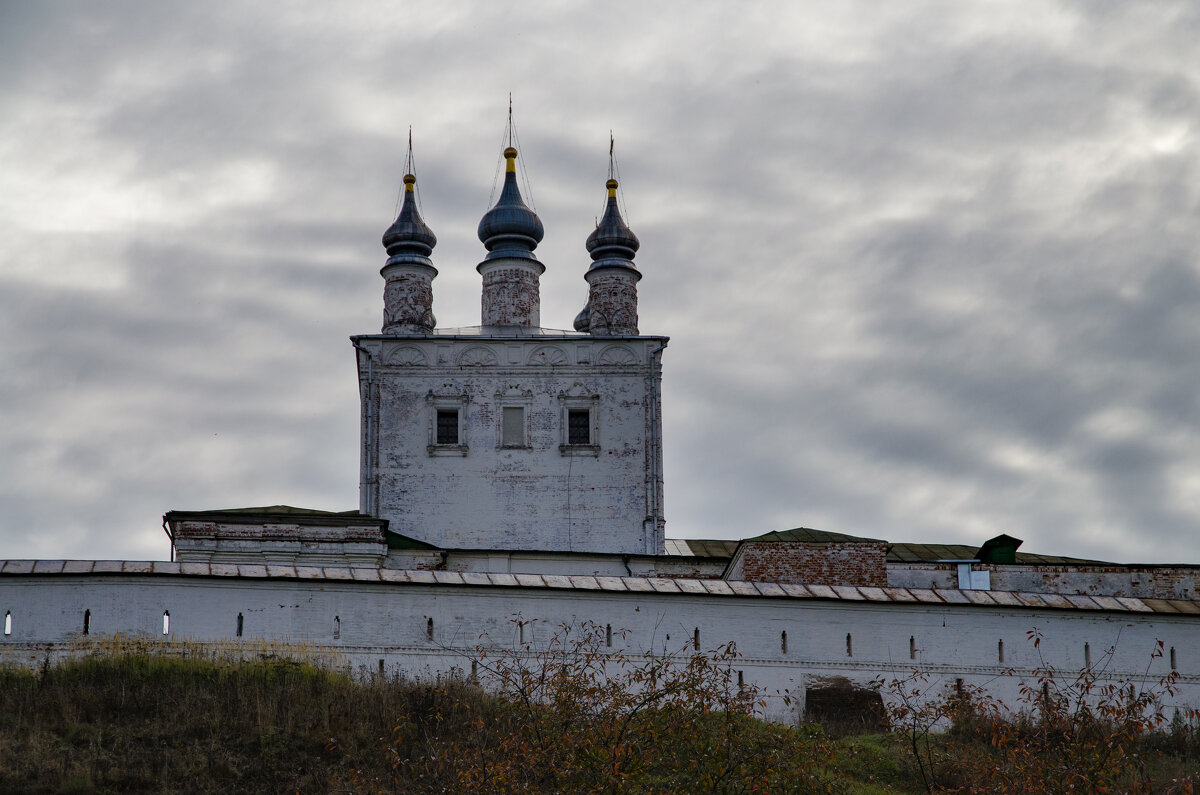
[612, 188]
[510, 155]
[409, 181]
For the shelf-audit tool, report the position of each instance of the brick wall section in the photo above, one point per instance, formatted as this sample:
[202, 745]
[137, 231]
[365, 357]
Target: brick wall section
[511, 296]
[408, 302]
[1144, 582]
[612, 297]
[819, 564]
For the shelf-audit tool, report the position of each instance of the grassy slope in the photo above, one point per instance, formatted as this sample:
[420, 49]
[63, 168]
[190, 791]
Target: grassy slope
[143, 723]
[135, 722]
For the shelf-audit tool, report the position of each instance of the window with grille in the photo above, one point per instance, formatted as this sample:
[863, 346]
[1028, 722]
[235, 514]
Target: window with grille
[514, 426]
[579, 426]
[447, 426]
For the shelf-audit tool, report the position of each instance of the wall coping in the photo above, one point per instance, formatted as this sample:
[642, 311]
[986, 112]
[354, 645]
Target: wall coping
[661, 585]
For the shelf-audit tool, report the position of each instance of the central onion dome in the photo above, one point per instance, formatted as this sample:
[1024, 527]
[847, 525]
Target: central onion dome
[612, 239]
[510, 229]
[408, 239]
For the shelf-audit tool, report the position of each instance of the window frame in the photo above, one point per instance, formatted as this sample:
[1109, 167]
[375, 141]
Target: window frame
[589, 403]
[438, 403]
[514, 398]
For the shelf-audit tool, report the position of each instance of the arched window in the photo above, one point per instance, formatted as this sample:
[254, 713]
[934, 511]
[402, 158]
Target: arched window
[166, 622]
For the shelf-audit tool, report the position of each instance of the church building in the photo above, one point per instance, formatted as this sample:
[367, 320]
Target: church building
[507, 435]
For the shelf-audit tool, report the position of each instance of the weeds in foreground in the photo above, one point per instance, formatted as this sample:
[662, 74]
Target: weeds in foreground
[1070, 732]
[578, 714]
[565, 715]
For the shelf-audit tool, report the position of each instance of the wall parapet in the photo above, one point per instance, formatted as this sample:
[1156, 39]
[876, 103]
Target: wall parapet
[575, 582]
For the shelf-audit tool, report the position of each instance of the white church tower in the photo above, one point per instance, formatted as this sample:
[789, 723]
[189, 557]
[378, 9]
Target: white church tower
[506, 435]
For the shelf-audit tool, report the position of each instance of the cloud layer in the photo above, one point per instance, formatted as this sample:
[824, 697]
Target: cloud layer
[929, 269]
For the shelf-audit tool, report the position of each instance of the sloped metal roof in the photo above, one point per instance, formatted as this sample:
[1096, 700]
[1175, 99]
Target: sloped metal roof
[810, 536]
[929, 553]
[700, 547]
[682, 587]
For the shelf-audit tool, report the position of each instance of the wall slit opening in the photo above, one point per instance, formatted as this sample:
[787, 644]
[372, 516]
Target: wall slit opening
[87, 621]
[696, 638]
[7, 622]
[912, 647]
[608, 635]
[1087, 655]
[783, 642]
[1000, 650]
[337, 627]
[240, 624]
[1173, 658]
[849, 645]
[429, 629]
[166, 622]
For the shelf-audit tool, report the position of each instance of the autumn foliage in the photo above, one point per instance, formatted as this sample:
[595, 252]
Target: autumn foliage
[576, 714]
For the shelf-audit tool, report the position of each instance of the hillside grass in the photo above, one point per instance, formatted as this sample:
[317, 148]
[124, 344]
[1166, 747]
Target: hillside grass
[130, 719]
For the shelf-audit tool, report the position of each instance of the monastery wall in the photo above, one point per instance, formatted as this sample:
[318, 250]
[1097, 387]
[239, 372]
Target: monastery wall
[1147, 582]
[423, 625]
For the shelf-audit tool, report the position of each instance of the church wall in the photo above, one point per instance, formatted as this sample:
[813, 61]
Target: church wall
[542, 495]
[390, 622]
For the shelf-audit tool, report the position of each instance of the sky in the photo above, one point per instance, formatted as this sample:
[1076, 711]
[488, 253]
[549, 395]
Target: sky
[930, 269]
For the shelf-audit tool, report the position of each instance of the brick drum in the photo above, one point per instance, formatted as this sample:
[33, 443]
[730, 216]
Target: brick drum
[511, 297]
[613, 301]
[408, 303]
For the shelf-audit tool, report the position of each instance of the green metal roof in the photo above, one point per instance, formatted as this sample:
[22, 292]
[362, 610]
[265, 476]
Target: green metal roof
[808, 535]
[928, 553]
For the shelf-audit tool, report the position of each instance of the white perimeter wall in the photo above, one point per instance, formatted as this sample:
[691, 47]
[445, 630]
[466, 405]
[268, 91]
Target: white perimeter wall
[389, 622]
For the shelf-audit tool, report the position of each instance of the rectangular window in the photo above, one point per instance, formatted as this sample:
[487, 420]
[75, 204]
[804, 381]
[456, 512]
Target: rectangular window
[447, 426]
[514, 426]
[579, 426]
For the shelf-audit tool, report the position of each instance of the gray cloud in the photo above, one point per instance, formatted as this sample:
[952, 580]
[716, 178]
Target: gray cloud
[929, 271]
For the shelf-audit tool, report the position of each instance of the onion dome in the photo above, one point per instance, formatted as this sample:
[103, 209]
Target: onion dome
[612, 244]
[408, 239]
[510, 229]
[583, 321]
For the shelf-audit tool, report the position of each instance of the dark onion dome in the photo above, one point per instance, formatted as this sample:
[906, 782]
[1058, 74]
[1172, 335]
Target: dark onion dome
[583, 321]
[612, 244]
[510, 229]
[408, 239]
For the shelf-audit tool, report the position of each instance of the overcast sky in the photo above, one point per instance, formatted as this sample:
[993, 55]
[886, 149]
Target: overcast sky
[930, 269]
